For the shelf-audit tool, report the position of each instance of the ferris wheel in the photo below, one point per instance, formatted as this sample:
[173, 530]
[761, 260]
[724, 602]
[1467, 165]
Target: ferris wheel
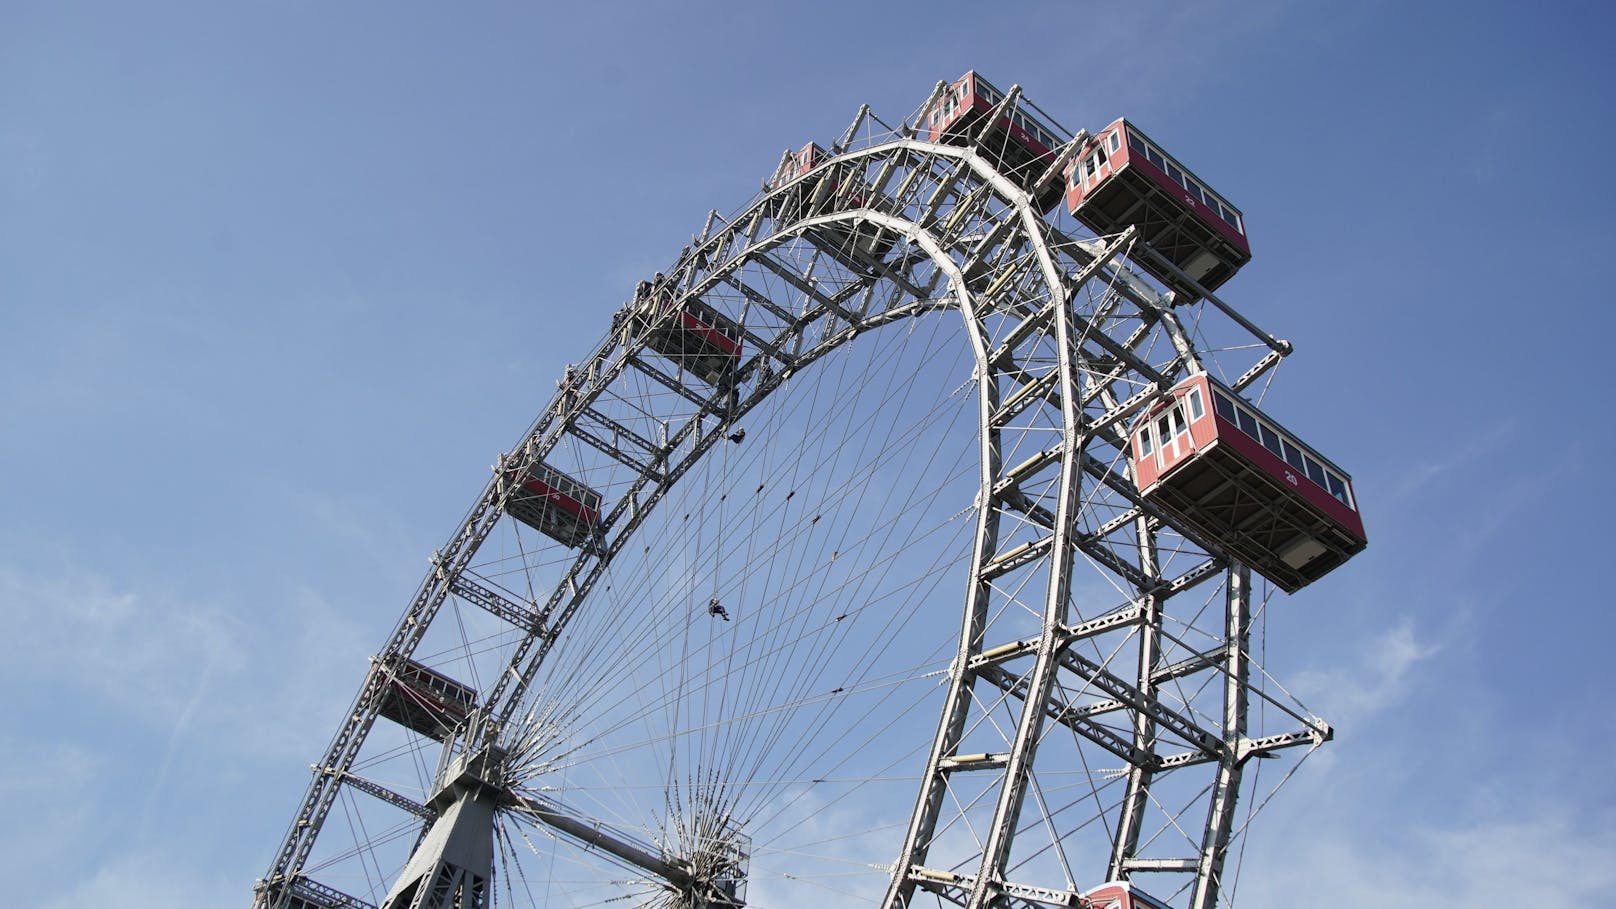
[907, 542]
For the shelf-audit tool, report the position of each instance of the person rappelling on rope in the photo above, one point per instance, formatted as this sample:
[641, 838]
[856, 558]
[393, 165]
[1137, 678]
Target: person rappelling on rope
[716, 608]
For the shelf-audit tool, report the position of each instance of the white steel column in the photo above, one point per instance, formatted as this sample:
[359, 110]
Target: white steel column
[1226, 788]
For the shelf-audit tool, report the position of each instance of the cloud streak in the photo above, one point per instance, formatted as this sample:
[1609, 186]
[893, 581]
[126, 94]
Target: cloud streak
[1543, 858]
[1382, 678]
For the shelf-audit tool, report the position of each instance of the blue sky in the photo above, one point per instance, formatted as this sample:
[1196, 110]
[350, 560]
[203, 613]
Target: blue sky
[279, 281]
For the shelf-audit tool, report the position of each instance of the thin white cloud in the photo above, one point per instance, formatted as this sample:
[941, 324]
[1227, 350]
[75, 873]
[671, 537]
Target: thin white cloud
[1491, 441]
[45, 786]
[159, 662]
[1543, 860]
[158, 708]
[137, 652]
[176, 738]
[1381, 679]
[141, 880]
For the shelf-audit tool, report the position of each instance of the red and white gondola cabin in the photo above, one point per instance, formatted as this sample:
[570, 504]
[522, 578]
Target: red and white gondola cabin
[1123, 178]
[814, 196]
[1120, 895]
[1216, 466]
[555, 505]
[798, 163]
[692, 334]
[1020, 144]
[859, 245]
[423, 699]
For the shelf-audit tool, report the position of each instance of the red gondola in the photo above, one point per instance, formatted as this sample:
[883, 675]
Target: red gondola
[811, 196]
[695, 336]
[1121, 895]
[423, 699]
[859, 246]
[1020, 144]
[1218, 467]
[555, 505]
[1123, 179]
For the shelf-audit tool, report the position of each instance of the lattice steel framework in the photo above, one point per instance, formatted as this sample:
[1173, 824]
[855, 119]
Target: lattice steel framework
[1094, 638]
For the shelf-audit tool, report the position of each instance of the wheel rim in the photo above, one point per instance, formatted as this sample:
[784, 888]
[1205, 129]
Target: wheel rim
[712, 796]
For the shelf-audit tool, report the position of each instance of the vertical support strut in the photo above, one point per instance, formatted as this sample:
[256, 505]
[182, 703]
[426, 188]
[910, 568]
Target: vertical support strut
[1226, 788]
[453, 865]
[1136, 796]
[956, 710]
[1030, 724]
